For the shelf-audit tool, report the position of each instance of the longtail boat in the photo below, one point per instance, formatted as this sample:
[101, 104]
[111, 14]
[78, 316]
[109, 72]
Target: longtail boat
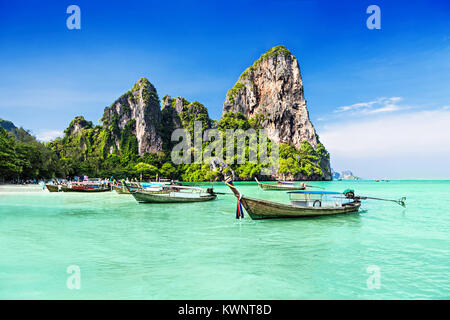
[123, 187]
[172, 193]
[52, 187]
[303, 204]
[77, 188]
[96, 185]
[281, 185]
[85, 188]
[120, 189]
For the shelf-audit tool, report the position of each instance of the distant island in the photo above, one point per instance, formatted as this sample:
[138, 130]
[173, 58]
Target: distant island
[134, 139]
[344, 175]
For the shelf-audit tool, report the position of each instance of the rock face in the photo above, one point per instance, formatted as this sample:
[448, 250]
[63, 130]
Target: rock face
[136, 124]
[20, 133]
[269, 94]
[344, 175]
[348, 175]
[178, 112]
[335, 175]
[77, 124]
[137, 112]
[8, 126]
[172, 109]
[272, 89]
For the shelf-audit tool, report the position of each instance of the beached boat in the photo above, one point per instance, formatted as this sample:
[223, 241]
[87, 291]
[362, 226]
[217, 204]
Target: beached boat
[281, 185]
[172, 193]
[52, 187]
[77, 188]
[303, 204]
[123, 187]
[86, 186]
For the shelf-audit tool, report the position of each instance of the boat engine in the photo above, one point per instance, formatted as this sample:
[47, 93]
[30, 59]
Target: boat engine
[349, 193]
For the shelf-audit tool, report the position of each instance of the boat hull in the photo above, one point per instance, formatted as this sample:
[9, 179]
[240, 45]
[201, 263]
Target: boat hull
[121, 190]
[164, 197]
[270, 186]
[67, 189]
[52, 187]
[261, 209]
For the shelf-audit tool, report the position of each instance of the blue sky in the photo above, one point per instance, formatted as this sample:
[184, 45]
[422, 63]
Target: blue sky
[354, 78]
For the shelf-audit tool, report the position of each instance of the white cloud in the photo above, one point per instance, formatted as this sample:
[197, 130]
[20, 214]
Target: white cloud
[355, 106]
[379, 105]
[49, 135]
[414, 141]
[386, 108]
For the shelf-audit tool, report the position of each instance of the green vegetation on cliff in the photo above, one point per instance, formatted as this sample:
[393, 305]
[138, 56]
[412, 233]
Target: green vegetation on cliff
[87, 150]
[112, 149]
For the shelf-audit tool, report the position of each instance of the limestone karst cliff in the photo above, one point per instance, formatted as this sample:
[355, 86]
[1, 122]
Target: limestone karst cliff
[137, 127]
[272, 88]
[138, 111]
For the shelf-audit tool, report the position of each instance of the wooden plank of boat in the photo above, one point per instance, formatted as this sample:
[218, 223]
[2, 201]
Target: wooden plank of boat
[52, 187]
[169, 197]
[121, 190]
[279, 186]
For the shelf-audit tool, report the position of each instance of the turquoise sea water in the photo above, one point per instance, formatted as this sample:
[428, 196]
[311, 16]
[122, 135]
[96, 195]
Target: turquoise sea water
[127, 250]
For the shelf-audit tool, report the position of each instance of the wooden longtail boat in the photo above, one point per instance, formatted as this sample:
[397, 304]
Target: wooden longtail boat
[171, 194]
[281, 186]
[80, 186]
[89, 189]
[121, 190]
[77, 188]
[52, 187]
[86, 186]
[303, 204]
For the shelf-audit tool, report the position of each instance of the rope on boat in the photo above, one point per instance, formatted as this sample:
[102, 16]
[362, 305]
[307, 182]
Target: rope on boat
[239, 210]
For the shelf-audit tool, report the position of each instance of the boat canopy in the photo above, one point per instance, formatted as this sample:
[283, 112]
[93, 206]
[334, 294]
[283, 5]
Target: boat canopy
[284, 182]
[315, 192]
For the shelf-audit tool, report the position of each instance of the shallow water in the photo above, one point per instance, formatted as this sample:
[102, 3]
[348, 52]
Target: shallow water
[200, 251]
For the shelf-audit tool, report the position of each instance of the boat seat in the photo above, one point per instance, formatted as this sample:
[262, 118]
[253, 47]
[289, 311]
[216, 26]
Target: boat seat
[299, 203]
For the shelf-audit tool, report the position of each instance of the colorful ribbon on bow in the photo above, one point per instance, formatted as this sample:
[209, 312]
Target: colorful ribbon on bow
[239, 210]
